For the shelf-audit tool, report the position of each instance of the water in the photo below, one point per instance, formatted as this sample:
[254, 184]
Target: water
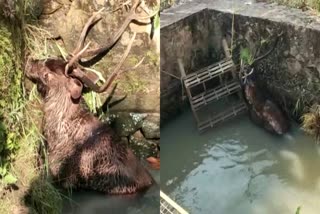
[239, 168]
[86, 202]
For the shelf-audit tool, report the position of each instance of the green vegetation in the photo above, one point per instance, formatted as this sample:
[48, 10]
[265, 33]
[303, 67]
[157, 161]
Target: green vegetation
[10, 104]
[20, 137]
[301, 4]
[166, 4]
[93, 101]
[298, 210]
[44, 197]
[311, 122]
[38, 46]
[246, 56]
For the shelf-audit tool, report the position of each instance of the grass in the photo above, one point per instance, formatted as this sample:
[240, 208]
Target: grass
[33, 180]
[11, 102]
[93, 100]
[132, 84]
[39, 47]
[311, 122]
[301, 4]
[166, 4]
[20, 120]
[43, 197]
[298, 210]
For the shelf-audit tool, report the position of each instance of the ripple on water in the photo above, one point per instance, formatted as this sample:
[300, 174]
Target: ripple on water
[240, 168]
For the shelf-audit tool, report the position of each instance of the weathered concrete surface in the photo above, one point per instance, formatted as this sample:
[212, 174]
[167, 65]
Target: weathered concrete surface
[186, 39]
[291, 72]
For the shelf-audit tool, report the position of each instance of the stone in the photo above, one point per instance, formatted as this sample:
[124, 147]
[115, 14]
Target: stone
[318, 67]
[151, 127]
[141, 147]
[300, 58]
[100, 2]
[125, 38]
[294, 51]
[138, 135]
[126, 124]
[294, 66]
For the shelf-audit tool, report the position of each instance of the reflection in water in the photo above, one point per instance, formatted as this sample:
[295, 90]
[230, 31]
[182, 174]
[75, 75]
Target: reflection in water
[95, 203]
[239, 168]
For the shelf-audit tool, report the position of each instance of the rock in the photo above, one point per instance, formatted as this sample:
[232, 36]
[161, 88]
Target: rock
[294, 51]
[125, 38]
[318, 67]
[294, 66]
[140, 102]
[138, 136]
[100, 2]
[126, 124]
[300, 58]
[141, 147]
[151, 127]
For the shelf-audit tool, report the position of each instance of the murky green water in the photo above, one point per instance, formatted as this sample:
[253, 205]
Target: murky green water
[94, 203]
[239, 168]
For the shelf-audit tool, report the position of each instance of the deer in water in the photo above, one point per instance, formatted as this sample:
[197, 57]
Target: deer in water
[262, 109]
[83, 152]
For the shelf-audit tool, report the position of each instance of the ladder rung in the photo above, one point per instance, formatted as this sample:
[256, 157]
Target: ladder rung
[223, 116]
[203, 99]
[208, 73]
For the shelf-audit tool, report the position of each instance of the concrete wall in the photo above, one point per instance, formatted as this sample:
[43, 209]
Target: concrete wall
[291, 72]
[190, 40]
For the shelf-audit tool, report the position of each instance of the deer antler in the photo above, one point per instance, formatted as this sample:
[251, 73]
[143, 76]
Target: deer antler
[78, 73]
[81, 51]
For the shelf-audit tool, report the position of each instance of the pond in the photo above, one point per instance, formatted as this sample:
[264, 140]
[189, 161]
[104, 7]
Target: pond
[87, 202]
[238, 167]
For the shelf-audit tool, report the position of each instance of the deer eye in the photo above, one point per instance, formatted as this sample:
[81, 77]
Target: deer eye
[45, 77]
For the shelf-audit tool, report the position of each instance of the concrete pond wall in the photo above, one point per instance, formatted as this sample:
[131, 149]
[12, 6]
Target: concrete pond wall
[194, 31]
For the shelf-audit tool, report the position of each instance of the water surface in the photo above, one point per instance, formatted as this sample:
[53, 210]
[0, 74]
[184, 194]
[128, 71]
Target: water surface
[239, 168]
[87, 202]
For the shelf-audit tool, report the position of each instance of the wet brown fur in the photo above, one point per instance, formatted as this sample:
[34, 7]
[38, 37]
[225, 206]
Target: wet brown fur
[83, 152]
[263, 111]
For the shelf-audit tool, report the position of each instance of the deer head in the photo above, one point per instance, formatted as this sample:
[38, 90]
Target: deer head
[56, 75]
[246, 74]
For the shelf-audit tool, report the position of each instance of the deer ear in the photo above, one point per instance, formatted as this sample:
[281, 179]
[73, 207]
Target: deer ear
[75, 88]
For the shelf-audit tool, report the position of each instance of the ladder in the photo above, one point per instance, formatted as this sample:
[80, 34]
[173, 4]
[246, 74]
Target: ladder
[202, 95]
[168, 206]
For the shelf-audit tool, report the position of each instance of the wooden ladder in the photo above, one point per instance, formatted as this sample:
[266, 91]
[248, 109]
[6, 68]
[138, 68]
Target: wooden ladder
[200, 100]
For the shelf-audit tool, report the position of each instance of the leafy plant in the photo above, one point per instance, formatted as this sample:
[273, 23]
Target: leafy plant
[246, 56]
[298, 210]
[93, 101]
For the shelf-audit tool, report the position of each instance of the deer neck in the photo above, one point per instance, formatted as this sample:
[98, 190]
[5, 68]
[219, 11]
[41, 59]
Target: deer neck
[67, 121]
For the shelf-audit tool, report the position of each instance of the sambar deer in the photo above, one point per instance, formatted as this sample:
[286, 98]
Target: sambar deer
[83, 152]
